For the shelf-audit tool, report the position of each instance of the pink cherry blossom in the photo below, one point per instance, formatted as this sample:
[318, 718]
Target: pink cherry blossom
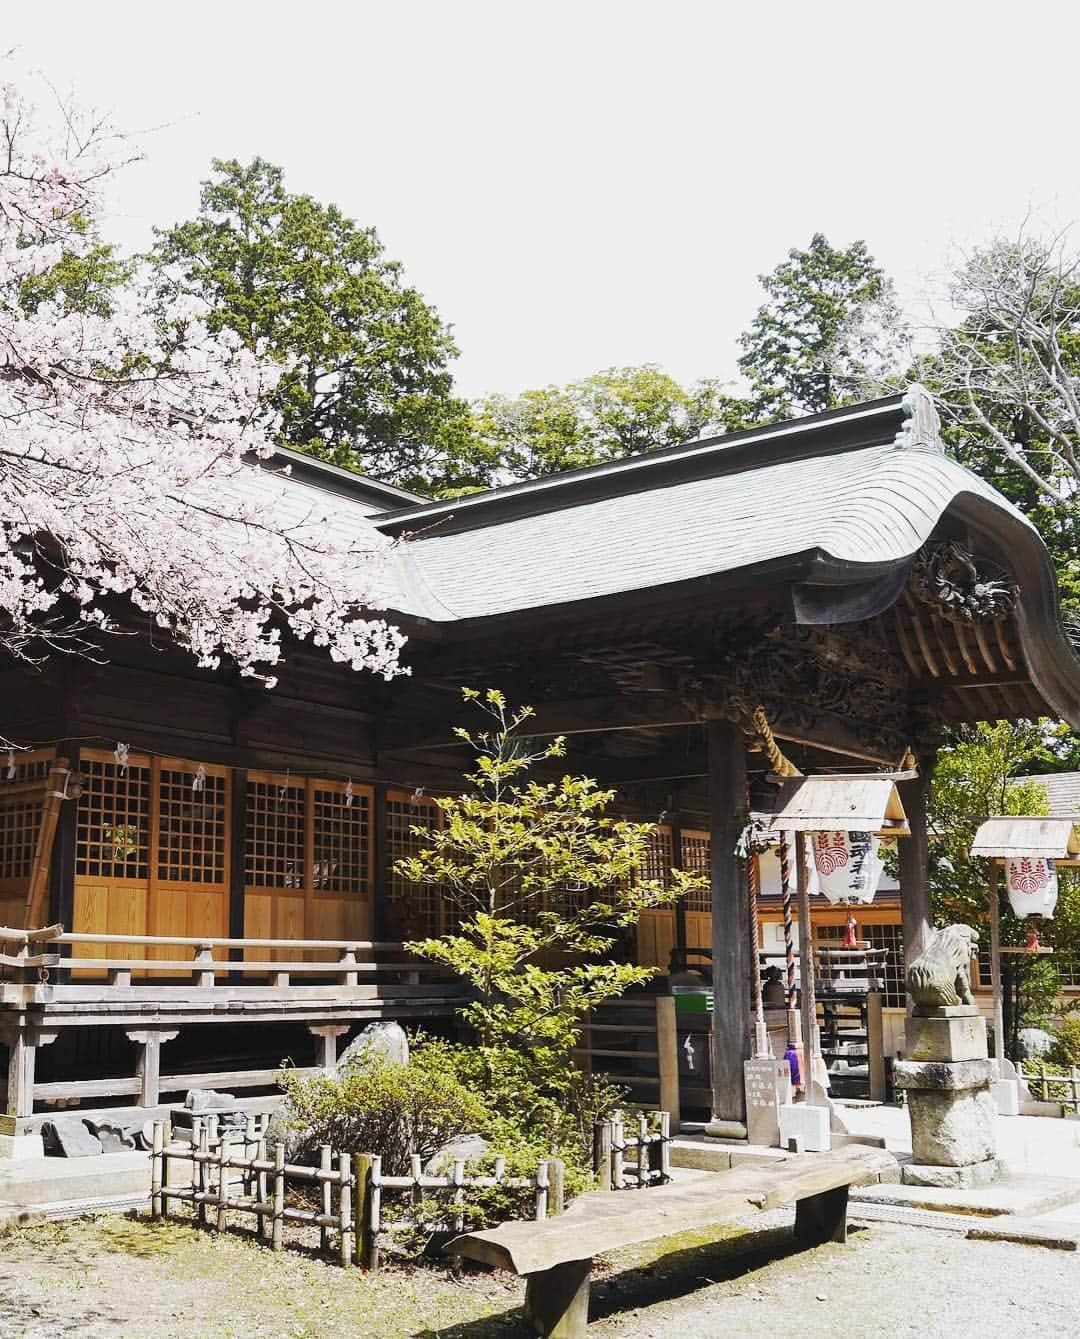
[134, 459]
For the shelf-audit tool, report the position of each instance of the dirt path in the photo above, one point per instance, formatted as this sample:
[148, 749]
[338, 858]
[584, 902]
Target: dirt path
[118, 1278]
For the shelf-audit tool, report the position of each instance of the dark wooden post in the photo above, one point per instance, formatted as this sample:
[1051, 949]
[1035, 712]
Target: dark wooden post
[237, 855]
[730, 931]
[380, 893]
[676, 859]
[914, 855]
[62, 870]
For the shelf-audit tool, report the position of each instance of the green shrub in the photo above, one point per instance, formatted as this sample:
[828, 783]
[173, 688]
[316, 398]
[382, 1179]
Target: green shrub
[1066, 1047]
[385, 1108]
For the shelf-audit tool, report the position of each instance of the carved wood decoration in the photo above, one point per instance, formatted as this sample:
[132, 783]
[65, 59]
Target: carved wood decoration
[960, 587]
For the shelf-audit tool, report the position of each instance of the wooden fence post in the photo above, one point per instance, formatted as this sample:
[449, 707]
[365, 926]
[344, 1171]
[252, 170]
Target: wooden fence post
[261, 1187]
[364, 1209]
[617, 1148]
[667, 1051]
[345, 1223]
[665, 1146]
[155, 1171]
[279, 1196]
[541, 1190]
[556, 1182]
[325, 1194]
[602, 1153]
[458, 1180]
[201, 1171]
[224, 1149]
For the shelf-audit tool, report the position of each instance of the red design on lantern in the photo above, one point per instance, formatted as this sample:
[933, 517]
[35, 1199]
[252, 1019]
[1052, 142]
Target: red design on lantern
[1028, 876]
[830, 852]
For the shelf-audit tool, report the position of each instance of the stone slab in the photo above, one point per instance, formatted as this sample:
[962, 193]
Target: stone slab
[20, 1147]
[1014, 1193]
[726, 1129]
[946, 1011]
[806, 1126]
[44, 1181]
[1006, 1095]
[768, 1087]
[948, 1039]
[974, 1174]
[1056, 1237]
[18, 1215]
[950, 1128]
[71, 1137]
[940, 1075]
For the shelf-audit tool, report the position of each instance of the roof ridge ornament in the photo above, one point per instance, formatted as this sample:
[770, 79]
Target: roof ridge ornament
[922, 427]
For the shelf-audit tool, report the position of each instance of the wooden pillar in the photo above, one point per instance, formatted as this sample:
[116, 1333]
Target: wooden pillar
[62, 872]
[995, 966]
[914, 853]
[237, 854]
[148, 1065]
[22, 1041]
[730, 931]
[380, 892]
[326, 1035]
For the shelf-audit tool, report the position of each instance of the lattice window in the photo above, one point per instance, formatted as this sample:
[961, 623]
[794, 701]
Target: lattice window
[275, 837]
[192, 824]
[891, 939]
[20, 814]
[292, 822]
[695, 858]
[113, 822]
[341, 840]
[420, 907]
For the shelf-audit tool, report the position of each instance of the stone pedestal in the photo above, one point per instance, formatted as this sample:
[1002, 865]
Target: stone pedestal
[947, 1080]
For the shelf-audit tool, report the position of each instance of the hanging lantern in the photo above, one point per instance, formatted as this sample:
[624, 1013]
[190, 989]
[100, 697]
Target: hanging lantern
[848, 864]
[1033, 886]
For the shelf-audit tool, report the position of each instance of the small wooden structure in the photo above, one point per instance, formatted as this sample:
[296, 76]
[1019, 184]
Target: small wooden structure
[1007, 837]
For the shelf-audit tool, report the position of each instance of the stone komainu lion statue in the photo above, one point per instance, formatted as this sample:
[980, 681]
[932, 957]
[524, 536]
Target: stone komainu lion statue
[940, 975]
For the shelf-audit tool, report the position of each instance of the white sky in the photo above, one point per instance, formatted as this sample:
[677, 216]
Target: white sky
[579, 185]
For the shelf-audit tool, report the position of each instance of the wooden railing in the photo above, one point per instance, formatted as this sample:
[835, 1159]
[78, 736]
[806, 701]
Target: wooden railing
[1061, 1088]
[25, 961]
[237, 1172]
[615, 1032]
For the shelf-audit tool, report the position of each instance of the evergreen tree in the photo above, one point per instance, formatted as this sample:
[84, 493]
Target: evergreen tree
[829, 333]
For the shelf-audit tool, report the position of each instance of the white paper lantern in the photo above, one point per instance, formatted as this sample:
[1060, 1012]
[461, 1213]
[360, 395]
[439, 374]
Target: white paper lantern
[1033, 886]
[848, 864]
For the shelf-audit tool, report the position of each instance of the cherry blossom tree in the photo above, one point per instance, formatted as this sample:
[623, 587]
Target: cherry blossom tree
[136, 485]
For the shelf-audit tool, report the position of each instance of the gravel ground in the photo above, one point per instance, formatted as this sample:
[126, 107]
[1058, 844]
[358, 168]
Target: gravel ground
[127, 1279]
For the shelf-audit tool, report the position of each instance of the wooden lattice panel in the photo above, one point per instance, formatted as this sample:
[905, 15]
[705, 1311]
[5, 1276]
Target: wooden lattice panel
[308, 859]
[20, 824]
[113, 821]
[192, 824]
[418, 909]
[695, 859]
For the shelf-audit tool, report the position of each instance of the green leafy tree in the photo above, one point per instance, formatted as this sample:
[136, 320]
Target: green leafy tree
[87, 283]
[541, 880]
[367, 383]
[622, 411]
[976, 776]
[829, 333]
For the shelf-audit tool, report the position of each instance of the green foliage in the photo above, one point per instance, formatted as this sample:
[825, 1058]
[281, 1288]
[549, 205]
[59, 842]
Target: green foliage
[622, 411]
[386, 1108]
[367, 383]
[1066, 1047]
[828, 334]
[86, 283]
[972, 780]
[540, 879]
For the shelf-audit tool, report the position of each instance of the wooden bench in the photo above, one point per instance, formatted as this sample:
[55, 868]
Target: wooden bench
[555, 1256]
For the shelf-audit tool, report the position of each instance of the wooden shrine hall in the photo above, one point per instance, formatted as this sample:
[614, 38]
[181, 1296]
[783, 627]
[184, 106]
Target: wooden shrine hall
[231, 863]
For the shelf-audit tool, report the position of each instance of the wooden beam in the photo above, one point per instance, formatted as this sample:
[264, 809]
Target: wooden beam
[730, 930]
[914, 859]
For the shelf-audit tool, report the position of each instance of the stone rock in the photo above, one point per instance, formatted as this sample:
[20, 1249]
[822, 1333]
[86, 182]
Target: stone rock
[950, 1128]
[280, 1130]
[975, 1174]
[941, 1075]
[463, 1146]
[951, 1039]
[201, 1100]
[1034, 1041]
[69, 1137]
[115, 1136]
[378, 1041]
